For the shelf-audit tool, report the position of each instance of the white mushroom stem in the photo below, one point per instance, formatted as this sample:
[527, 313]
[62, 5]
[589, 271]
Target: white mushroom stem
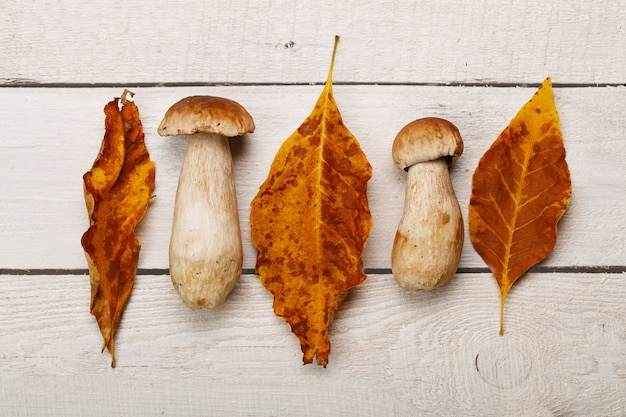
[429, 240]
[206, 252]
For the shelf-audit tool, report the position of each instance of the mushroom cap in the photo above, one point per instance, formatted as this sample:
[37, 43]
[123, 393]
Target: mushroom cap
[206, 114]
[424, 140]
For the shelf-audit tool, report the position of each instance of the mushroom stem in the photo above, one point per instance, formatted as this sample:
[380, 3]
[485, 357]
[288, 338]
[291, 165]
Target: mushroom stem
[206, 252]
[429, 240]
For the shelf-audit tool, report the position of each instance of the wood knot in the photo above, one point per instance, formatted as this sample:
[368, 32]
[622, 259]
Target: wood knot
[503, 364]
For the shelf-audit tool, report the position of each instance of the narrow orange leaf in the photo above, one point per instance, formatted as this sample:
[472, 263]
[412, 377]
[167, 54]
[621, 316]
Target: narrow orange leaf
[117, 191]
[520, 190]
[310, 222]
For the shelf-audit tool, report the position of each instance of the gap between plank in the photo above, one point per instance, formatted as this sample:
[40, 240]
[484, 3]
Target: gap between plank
[8, 83]
[605, 269]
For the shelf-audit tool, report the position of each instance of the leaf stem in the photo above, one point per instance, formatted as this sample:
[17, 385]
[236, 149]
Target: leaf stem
[502, 298]
[329, 80]
[124, 94]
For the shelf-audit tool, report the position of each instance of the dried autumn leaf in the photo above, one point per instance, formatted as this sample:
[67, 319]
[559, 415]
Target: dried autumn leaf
[310, 222]
[520, 190]
[117, 191]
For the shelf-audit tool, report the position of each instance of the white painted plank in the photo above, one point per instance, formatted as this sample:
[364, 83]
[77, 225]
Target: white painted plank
[393, 352]
[290, 41]
[52, 136]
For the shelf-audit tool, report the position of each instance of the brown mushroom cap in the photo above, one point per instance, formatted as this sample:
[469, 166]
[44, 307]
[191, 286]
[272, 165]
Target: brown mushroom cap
[206, 114]
[424, 140]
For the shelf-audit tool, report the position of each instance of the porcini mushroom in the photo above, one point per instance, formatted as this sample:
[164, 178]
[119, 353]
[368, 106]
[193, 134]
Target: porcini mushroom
[206, 254]
[429, 240]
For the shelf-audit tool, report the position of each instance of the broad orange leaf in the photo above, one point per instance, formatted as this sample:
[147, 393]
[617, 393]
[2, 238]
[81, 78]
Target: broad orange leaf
[520, 190]
[310, 222]
[117, 192]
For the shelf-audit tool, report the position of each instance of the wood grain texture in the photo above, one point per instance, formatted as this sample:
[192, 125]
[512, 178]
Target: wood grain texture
[393, 352]
[288, 41]
[42, 162]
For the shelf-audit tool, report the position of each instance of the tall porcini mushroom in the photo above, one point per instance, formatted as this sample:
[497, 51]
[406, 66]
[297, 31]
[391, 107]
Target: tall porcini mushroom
[429, 240]
[206, 253]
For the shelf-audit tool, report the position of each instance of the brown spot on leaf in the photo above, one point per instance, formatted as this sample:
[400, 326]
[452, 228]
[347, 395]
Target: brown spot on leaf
[324, 222]
[117, 192]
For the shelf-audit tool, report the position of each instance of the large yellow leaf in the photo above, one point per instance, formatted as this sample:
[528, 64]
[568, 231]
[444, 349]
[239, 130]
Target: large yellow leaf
[520, 190]
[310, 222]
[117, 191]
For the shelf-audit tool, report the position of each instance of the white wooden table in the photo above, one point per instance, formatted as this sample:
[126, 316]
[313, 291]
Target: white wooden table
[398, 353]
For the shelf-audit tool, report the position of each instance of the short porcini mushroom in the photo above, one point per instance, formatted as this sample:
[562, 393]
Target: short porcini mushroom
[429, 240]
[206, 254]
